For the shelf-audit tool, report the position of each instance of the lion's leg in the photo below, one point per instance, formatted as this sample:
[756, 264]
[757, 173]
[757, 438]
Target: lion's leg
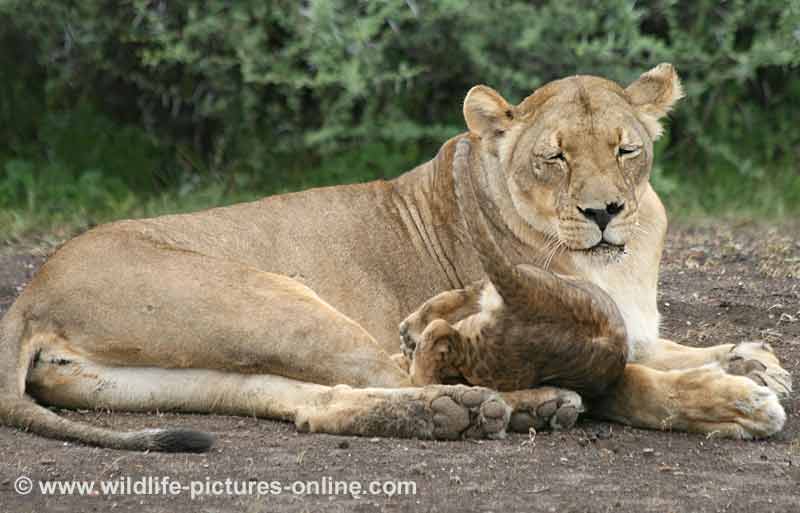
[442, 412]
[668, 355]
[705, 400]
[141, 327]
[755, 360]
[134, 303]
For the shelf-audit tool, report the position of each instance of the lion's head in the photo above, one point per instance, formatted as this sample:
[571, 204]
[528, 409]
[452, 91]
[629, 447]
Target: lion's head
[575, 156]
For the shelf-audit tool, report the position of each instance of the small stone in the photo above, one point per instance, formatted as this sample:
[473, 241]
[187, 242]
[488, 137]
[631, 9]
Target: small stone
[418, 469]
[344, 444]
[603, 433]
[648, 451]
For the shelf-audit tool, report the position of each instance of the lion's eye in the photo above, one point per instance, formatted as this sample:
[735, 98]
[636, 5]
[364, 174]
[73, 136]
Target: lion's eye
[628, 151]
[556, 157]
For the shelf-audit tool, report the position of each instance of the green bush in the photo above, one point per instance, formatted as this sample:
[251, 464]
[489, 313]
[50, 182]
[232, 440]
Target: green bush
[146, 96]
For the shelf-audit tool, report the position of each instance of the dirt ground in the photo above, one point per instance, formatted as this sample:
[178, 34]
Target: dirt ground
[719, 284]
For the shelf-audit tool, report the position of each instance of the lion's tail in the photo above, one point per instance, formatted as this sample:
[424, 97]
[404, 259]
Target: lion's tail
[20, 411]
[511, 284]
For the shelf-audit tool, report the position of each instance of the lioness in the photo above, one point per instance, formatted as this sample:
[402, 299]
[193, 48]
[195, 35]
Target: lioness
[264, 308]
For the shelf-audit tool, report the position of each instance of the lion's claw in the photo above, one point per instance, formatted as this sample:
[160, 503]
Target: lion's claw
[757, 361]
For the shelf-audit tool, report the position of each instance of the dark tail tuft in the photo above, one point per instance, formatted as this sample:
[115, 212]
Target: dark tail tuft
[180, 440]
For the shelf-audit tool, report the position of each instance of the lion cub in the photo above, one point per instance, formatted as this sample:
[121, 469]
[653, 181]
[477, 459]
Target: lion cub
[520, 328]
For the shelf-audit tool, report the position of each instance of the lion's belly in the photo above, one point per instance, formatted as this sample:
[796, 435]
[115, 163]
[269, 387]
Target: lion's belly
[348, 244]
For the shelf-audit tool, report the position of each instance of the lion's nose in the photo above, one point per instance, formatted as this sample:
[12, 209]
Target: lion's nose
[602, 216]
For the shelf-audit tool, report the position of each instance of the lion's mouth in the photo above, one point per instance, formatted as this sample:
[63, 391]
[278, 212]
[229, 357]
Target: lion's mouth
[606, 248]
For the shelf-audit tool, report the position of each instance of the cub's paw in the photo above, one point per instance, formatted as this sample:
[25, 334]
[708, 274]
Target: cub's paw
[757, 361]
[543, 408]
[466, 412]
[411, 330]
[430, 354]
[451, 305]
[402, 362]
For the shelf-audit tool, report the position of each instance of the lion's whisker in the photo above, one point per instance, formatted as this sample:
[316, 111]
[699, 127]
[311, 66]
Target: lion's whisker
[548, 246]
[553, 253]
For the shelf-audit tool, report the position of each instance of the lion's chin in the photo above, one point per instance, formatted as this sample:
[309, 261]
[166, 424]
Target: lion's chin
[603, 252]
[606, 247]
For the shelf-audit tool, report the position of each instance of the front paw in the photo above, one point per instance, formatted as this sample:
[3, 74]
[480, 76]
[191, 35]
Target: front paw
[757, 361]
[714, 402]
[402, 362]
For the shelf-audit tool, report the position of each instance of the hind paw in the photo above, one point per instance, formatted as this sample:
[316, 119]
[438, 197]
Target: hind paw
[444, 412]
[467, 412]
[543, 408]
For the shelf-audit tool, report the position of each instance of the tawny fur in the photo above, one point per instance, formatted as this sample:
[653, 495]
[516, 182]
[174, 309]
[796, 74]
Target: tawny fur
[531, 328]
[260, 308]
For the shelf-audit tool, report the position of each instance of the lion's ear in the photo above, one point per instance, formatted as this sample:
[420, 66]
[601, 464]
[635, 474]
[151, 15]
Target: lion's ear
[487, 113]
[653, 95]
